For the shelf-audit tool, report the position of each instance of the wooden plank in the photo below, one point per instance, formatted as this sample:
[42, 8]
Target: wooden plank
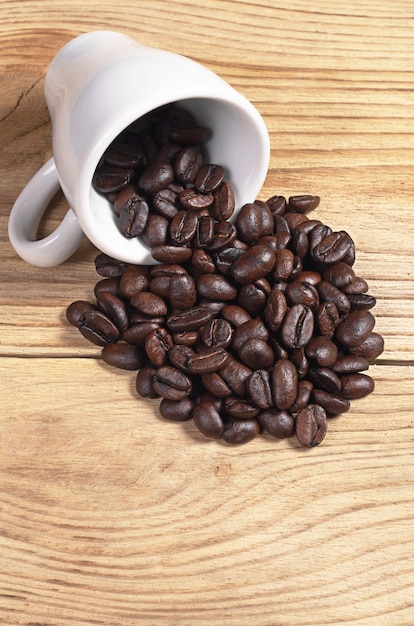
[102, 522]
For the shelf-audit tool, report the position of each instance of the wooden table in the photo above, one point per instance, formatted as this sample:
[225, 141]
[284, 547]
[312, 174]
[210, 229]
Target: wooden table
[111, 515]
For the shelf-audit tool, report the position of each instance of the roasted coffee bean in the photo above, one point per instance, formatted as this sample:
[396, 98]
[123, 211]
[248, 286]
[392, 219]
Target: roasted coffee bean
[155, 177]
[143, 382]
[235, 314]
[156, 231]
[208, 360]
[189, 319]
[333, 403]
[135, 278]
[109, 267]
[284, 383]
[186, 338]
[192, 200]
[187, 164]
[171, 254]
[362, 301]
[355, 328]
[303, 203]
[224, 202]
[114, 308]
[202, 262]
[76, 311]
[332, 248]
[279, 424]
[303, 395]
[339, 274]
[217, 333]
[350, 364]
[299, 360]
[237, 432]
[297, 327]
[301, 292]
[256, 354]
[329, 293]
[277, 205]
[124, 356]
[259, 389]
[178, 356]
[215, 384]
[235, 374]
[149, 303]
[98, 328]
[252, 298]
[224, 259]
[109, 178]
[209, 177]
[125, 155]
[327, 318]
[284, 263]
[158, 342]
[171, 383]
[255, 263]
[133, 219]
[356, 385]
[311, 425]
[275, 309]
[225, 234]
[323, 350]
[110, 285]
[204, 232]
[137, 333]
[216, 287]
[177, 410]
[370, 348]
[183, 227]
[240, 408]
[208, 420]
[183, 292]
[253, 221]
[192, 135]
[324, 378]
[293, 220]
[165, 202]
[252, 329]
[356, 287]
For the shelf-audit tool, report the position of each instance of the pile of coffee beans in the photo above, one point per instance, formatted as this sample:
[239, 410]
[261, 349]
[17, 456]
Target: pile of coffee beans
[257, 325]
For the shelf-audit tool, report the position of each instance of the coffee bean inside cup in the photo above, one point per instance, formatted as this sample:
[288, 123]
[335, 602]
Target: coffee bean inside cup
[260, 325]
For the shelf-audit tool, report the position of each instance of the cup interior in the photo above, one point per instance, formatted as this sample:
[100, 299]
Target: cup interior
[239, 143]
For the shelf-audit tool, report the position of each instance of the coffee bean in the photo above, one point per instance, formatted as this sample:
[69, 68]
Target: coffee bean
[284, 383]
[157, 344]
[165, 202]
[256, 354]
[189, 319]
[224, 202]
[156, 231]
[323, 350]
[311, 425]
[253, 221]
[255, 263]
[109, 178]
[235, 314]
[350, 364]
[215, 384]
[135, 278]
[76, 311]
[187, 164]
[149, 303]
[192, 200]
[137, 333]
[297, 327]
[303, 396]
[124, 356]
[155, 177]
[301, 292]
[333, 403]
[177, 410]
[355, 328]
[216, 287]
[332, 248]
[209, 177]
[329, 293]
[143, 382]
[171, 254]
[327, 318]
[114, 308]
[303, 203]
[235, 375]
[237, 432]
[183, 292]
[275, 309]
[217, 333]
[279, 424]
[109, 267]
[356, 385]
[259, 389]
[98, 328]
[324, 378]
[208, 420]
[171, 383]
[252, 329]
[207, 361]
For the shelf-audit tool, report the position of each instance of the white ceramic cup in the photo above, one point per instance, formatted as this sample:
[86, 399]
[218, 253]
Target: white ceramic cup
[96, 86]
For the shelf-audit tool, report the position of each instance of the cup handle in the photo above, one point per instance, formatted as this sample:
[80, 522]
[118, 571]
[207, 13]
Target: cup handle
[26, 216]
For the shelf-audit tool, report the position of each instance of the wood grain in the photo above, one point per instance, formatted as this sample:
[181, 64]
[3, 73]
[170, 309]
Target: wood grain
[109, 514]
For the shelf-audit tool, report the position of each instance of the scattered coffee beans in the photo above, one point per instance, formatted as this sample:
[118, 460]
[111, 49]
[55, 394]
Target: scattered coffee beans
[260, 325]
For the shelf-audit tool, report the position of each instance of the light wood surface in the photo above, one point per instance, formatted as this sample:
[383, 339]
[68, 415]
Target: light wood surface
[108, 514]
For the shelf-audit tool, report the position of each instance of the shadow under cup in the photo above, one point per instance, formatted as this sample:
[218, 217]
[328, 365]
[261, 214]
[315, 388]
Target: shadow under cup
[235, 144]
